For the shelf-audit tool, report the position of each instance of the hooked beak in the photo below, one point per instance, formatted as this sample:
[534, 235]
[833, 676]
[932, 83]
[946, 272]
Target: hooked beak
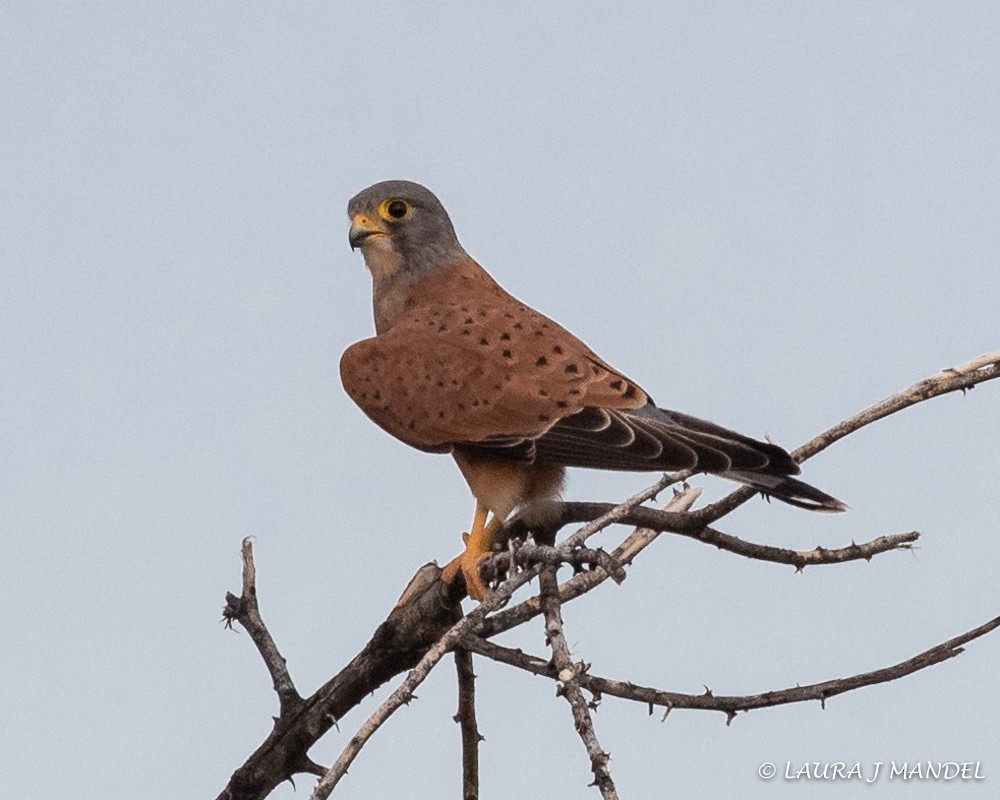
[361, 228]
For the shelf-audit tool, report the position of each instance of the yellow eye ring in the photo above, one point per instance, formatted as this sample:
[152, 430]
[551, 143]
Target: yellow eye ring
[394, 209]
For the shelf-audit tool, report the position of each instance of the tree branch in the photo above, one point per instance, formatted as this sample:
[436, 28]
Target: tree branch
[568, 673]
[466, 718]
[421, 616]
[404, 692]
[688, 524]
[953, 379]
[244, 609]
[731, 704]
[586, 581]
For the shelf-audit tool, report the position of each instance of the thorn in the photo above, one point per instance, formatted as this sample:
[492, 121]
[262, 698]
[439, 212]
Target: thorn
[708, 692]
[666, 713]
[730, 716]
[310, 766]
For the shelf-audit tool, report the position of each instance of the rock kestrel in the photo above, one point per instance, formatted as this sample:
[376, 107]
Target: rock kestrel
[460, 366]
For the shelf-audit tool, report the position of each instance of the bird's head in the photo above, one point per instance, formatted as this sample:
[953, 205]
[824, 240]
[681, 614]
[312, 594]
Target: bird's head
[401, 227]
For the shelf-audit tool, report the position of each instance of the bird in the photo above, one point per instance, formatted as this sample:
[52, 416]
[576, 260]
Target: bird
[458, 365]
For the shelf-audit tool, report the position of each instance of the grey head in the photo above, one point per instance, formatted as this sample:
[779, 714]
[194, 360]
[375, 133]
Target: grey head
[401, 227]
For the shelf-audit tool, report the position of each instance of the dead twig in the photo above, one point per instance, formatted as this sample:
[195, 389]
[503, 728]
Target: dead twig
[244, 609]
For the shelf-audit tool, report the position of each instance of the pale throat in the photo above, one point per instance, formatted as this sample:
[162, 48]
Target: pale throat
[389, 285]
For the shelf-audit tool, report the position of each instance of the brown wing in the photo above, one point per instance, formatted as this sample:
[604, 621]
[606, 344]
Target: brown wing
[497, 373]
[502, 380]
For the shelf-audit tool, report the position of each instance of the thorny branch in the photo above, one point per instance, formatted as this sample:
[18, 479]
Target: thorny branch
[422, 627]
[730, 705]
[568, 674]
[684, 525]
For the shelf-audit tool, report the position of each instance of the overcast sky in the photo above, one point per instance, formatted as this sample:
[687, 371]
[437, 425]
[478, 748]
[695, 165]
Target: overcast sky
[770, 215]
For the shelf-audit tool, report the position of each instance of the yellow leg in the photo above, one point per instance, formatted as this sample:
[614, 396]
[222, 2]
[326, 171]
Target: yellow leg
[478, 544]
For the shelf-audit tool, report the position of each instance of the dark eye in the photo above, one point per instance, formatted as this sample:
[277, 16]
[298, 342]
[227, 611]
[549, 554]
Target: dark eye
[397, 208]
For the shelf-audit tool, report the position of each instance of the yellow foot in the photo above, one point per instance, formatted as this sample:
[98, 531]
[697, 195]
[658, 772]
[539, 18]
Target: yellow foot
[468, 565]
[478, 542]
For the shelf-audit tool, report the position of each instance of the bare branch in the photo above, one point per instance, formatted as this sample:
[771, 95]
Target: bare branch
[689, 525]
[953, 379]
[404, 692]
[731, 704]
[244, 609]
[421, 616]
[581, 584]
[466, 718]
[568, 673]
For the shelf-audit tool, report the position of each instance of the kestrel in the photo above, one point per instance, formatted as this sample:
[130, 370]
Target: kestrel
[460, 366]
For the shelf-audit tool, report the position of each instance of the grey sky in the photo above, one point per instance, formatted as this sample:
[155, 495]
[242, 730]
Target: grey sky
[769, 215]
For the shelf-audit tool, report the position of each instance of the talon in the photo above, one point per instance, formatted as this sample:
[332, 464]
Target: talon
[478, 543]
[467, 565]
